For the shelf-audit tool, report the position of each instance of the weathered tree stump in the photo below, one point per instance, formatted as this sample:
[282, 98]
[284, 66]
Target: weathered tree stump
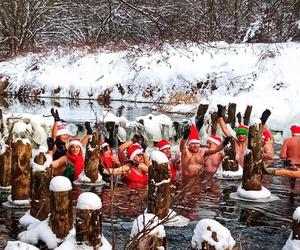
[159, 185]
[231, 114]
[21, 170]
[61, 215]
[89, 220]
[6, 162]
[214, 123]
[253, 162]
[40, 181]
[247, 115]
[230, 163]
[91, 160]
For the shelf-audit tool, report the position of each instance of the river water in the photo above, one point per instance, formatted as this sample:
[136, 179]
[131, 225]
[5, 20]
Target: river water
[252, 225]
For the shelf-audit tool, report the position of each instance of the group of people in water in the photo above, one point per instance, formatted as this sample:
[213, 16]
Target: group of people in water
[132, 162]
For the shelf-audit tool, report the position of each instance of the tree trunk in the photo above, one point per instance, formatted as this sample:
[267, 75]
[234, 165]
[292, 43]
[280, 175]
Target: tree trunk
[89, 227]
[91, 160]
[231, 114]
[159, 190]
[6, 163]
[230, 163]
[1, 123]
[247, 115]
[21, 170]
[40, 201]
[201, 110]
[253, 162]
[61, 215]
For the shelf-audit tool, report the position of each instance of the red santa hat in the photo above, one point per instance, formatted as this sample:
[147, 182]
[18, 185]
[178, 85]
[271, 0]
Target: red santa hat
[215, 139]
[61, 130]
[103, 145]
[295, 129]
[75, 141]
[194, 135]
[266, 136]
[134, 150]
[163, 144]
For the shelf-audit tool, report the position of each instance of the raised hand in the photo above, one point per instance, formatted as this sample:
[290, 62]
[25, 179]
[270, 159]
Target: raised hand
[50, 143]
[220, 110]
[55, 115]
[89, 130]
[264, 116]
[186, 132]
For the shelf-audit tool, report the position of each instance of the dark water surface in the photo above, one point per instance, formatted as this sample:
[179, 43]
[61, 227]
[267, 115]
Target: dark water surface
[252, 225]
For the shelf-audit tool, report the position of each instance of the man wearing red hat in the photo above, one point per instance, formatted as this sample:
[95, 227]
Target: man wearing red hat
[290, 149]
[193, 156]
[174, 164]
[212, 162]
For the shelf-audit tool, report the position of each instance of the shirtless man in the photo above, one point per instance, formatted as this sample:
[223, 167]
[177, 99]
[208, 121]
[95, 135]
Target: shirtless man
[193, 156]
[212, 162]
[291, 147]
[267, 147]
[241, 141]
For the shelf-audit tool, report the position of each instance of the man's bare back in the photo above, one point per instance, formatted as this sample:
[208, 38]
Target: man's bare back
[291, 149]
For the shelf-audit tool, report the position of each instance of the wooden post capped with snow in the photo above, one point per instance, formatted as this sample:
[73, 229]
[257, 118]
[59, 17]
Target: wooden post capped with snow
[89, 220]
[296, 224]
[230, 163]
[40, 181]
[6, 161]
[61, 215]
[253, 162]
[159, 185]
[231, 114]
[147, 233]
[21, 170]
[210, 235]
[91, 160]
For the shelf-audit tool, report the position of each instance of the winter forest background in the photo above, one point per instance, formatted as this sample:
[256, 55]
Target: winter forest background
[27, 25]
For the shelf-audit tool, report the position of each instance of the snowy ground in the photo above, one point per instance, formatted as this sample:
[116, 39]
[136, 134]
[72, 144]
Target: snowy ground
[265, 76]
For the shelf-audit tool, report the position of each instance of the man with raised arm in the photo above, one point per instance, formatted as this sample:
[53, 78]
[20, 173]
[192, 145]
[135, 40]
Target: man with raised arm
[192, 155]
[213, 162]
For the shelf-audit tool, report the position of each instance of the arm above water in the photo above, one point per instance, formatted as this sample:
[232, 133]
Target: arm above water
[117, 171]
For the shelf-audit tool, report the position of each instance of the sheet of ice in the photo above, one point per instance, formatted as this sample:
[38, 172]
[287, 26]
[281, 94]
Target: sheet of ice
[150, 222]
[291, 244]
[204, 232]
[159, 157]
[253, 195]
[18, 245]
[229, 174]
[41, 231]
[89, 200]
[71, 244]
[60, 184]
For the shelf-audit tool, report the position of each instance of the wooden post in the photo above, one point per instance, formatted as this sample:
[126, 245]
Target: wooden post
[41, 176]
[1, 123]
[21, 170]
[6, 162]
[253, 162]
[159, 185]
[111, 129]
[296, 229]
[231, 114]
[214, 123]
[61, 215]
[91, 160]
[247, 115]
[230, 163]
[89, 220]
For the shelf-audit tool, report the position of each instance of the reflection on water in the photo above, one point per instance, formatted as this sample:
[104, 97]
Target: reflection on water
[253, 225]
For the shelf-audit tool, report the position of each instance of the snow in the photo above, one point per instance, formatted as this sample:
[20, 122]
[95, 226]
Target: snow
[71, 244]
[18, 245]
[41, 231]
[60, 184]
[253, 195]
[221, 174]
[89, 200]
[159, 157]
[27, 219]
[203, 232]
[291, 244]
[18, 202]
[83, 179]
[296, 215]
[149, 222]
[3, 146]
[175, 220]
[37, 167]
